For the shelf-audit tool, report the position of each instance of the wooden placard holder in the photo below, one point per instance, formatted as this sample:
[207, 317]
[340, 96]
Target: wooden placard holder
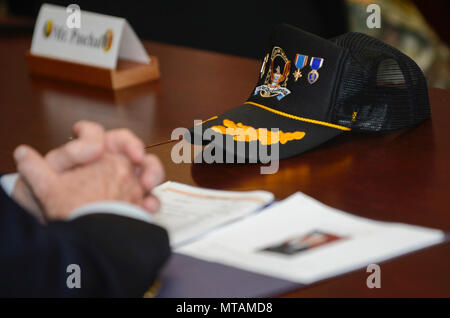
[126, 74]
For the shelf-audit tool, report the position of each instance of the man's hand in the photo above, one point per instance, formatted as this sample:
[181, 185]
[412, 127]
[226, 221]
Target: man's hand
[89, 147]
[110, 178]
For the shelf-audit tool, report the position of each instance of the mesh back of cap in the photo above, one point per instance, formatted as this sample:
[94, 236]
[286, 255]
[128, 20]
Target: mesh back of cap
[381, 89]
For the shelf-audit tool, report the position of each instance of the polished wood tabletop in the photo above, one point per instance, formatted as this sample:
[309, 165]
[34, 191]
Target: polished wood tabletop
[402, 176]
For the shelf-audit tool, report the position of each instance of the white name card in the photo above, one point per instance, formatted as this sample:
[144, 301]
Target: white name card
[99, 41]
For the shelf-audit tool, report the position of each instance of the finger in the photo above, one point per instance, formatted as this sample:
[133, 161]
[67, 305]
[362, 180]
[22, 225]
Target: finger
[152, 172]
[74, 153]
[89, 130]
[88, 147]
[151, 204]
[35, 171]
[125, 142]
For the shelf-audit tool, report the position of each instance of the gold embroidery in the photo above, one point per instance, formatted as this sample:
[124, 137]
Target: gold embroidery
[214, 117]
[245, 133]
[312, 121]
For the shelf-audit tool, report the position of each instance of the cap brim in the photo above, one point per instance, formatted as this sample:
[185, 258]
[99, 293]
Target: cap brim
[296, 135]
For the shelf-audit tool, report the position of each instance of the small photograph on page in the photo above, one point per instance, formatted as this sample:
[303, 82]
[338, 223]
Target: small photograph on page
[302, 243]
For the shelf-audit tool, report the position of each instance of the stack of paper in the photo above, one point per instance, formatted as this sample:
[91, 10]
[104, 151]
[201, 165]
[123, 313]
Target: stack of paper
[188, 212]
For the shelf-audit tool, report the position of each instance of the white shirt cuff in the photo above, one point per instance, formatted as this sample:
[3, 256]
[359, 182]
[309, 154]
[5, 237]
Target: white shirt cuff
[8, 182]
[121, 208]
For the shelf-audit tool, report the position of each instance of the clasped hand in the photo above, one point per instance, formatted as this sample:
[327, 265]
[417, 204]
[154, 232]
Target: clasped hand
[97, 165]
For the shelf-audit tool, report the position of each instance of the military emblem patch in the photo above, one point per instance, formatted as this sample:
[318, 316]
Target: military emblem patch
[276, 80]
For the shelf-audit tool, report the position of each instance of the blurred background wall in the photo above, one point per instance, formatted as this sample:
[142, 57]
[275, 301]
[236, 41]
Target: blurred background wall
[236, 27]
[419, 28]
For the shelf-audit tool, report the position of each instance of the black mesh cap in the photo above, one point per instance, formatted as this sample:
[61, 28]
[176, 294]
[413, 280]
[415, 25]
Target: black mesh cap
[312, 89]
[381, 89]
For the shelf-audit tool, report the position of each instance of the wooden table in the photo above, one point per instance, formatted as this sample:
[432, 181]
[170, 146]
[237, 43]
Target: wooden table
[402, 176]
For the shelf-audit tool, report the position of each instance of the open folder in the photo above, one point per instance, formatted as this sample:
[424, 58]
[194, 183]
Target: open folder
[189, 212]
[264, 250]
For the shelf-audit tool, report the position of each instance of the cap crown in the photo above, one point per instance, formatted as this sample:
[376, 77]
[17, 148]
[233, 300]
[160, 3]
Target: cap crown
[353, 81]
[299, 73]
[380, 89]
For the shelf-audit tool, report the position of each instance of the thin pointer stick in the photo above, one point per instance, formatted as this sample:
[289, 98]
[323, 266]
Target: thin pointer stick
[163, 142]
[153, 145]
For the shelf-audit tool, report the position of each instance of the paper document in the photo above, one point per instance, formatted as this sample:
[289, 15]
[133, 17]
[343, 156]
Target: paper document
[303, 240]
[188, 212]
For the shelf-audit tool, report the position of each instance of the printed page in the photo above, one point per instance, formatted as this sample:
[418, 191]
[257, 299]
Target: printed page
[188, 212]
[303, 240]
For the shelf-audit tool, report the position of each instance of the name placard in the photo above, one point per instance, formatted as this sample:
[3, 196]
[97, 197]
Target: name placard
[99, 41]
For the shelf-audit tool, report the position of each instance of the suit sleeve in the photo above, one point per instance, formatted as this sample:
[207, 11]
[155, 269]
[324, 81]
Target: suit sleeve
[117, 256]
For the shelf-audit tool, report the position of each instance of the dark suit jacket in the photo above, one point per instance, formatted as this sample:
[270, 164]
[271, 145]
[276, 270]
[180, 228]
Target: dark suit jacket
[117, 256]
